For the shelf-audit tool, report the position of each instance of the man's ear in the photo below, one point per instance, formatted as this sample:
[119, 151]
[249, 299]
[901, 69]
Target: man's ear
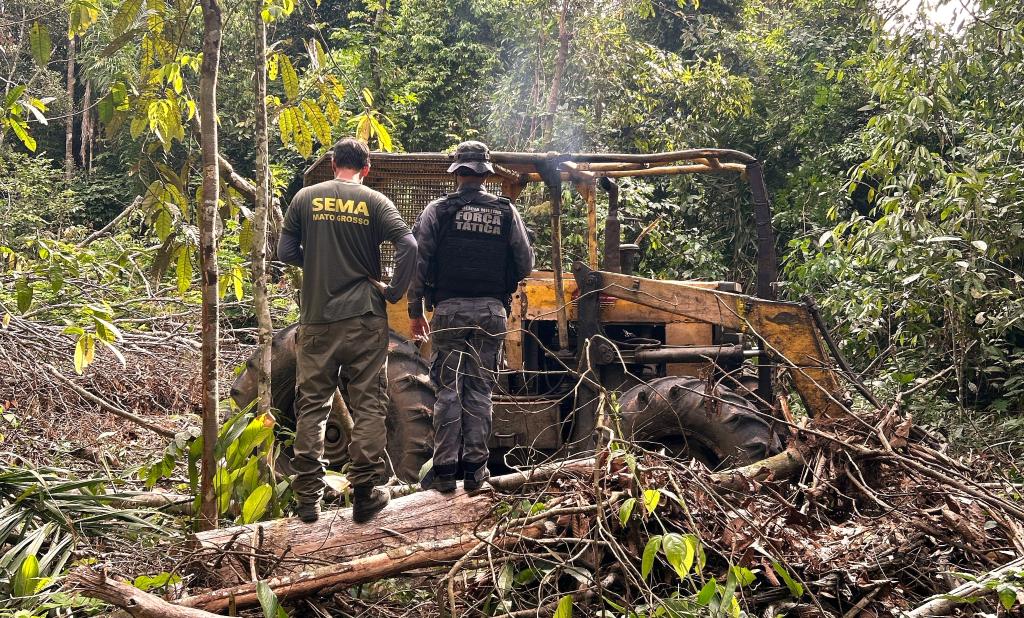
[365, 171]
[334, 168]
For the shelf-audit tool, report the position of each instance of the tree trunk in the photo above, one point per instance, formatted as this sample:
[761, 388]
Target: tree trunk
[283, 547]
[259, 237]
[86, 127]
[286, 546]
[249, 191]
[208, 257]
[69, 124]
[372, 567]
[556, 78]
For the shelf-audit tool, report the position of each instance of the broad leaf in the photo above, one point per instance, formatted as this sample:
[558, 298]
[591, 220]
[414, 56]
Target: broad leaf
[564, 609]
[256, 504]
[650, 553]
[626, 510]
[289, 78]
[24, 583]
[39, 41]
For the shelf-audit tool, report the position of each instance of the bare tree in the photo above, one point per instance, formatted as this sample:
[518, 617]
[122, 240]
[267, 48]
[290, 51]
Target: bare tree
[259, 242]
[208, 256]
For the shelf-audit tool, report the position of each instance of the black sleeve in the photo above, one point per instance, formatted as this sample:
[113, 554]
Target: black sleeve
[289, 249]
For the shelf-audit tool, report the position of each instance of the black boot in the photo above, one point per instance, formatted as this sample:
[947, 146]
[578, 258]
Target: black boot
[470, 472]
[367, 501]
[308, 513]
[444, 478]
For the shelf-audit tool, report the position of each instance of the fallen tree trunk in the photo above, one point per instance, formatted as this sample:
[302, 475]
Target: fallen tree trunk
[287, 546]
[777, 467]
[95, 583]
[350, 573]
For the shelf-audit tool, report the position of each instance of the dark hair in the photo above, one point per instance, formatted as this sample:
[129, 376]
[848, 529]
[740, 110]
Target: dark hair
[351, 153]
[465, 171]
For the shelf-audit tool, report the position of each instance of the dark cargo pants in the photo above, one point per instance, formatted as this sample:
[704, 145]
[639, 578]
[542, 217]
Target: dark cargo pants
[358, 348]
[466, 334]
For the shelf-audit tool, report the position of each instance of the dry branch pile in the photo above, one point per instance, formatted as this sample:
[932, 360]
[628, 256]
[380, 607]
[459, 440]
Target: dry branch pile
[56, 410]
[874, 524]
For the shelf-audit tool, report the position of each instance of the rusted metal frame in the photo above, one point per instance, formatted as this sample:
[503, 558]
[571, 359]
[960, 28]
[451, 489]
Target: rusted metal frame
[593, 157]
[553, 180]
[612, 228]
[674, 170]
[767, 265]
[588, 191]
[785, 328]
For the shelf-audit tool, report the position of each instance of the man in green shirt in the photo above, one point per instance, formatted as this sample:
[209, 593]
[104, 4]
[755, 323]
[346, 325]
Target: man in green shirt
[333, 230]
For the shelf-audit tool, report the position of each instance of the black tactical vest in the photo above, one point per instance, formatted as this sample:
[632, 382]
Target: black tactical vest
[473, 256]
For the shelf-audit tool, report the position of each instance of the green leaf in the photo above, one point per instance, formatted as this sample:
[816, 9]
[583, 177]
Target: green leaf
[125, 16]
[82, 14]
[39, 41]
[707, 592]
[744, 576]
[564, 609]
[652, 497]
[1007, 597]
[317, 121]
[23, 289]
[650, 552]
[679, 553]
[160, 580]
[795, 588]
[626, 510]
[245, 236]
[303, 137]
[268, 600]
[980, 245]
[24, 583]
[184, 270]
[237, 277]
[289, 78]
[383, 137]
[21, 131]
[256, 504]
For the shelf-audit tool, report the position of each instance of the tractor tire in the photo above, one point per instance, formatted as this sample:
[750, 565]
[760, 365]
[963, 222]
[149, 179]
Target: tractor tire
[719, 428]
[410, 430]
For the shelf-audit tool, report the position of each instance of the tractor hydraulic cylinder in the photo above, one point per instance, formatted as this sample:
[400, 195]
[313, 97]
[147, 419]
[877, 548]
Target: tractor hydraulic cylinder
[694, 354]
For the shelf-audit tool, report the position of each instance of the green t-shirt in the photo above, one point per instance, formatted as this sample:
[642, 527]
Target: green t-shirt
[341, 225]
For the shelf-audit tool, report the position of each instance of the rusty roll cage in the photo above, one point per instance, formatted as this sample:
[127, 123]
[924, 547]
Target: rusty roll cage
[515, 170]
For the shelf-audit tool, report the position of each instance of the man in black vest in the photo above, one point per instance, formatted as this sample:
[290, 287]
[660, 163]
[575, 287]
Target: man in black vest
[473, 252]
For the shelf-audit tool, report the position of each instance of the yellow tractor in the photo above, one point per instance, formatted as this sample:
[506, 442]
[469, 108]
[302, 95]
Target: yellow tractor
[688, 366]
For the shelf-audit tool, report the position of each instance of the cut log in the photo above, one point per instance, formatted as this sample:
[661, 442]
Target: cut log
[777, 467]
[288, 546]
[350, 573]
[95, 584]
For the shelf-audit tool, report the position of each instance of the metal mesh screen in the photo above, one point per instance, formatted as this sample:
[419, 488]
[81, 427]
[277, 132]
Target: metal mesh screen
[410, 181]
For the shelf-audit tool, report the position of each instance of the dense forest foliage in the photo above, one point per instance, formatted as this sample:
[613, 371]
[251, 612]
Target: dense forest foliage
[893, 149]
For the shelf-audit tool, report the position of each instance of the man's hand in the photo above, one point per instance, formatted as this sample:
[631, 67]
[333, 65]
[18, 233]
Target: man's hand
[420, 328]
[380, 286]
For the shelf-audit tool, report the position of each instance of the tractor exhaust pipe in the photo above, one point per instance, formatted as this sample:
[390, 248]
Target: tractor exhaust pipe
[612, 228]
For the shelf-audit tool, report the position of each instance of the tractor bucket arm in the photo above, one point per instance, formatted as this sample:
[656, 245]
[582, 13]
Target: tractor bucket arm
[786, 329]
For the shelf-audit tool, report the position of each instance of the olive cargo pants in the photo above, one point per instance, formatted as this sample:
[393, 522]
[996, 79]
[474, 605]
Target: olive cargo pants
[358, 348]
[466, 334]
